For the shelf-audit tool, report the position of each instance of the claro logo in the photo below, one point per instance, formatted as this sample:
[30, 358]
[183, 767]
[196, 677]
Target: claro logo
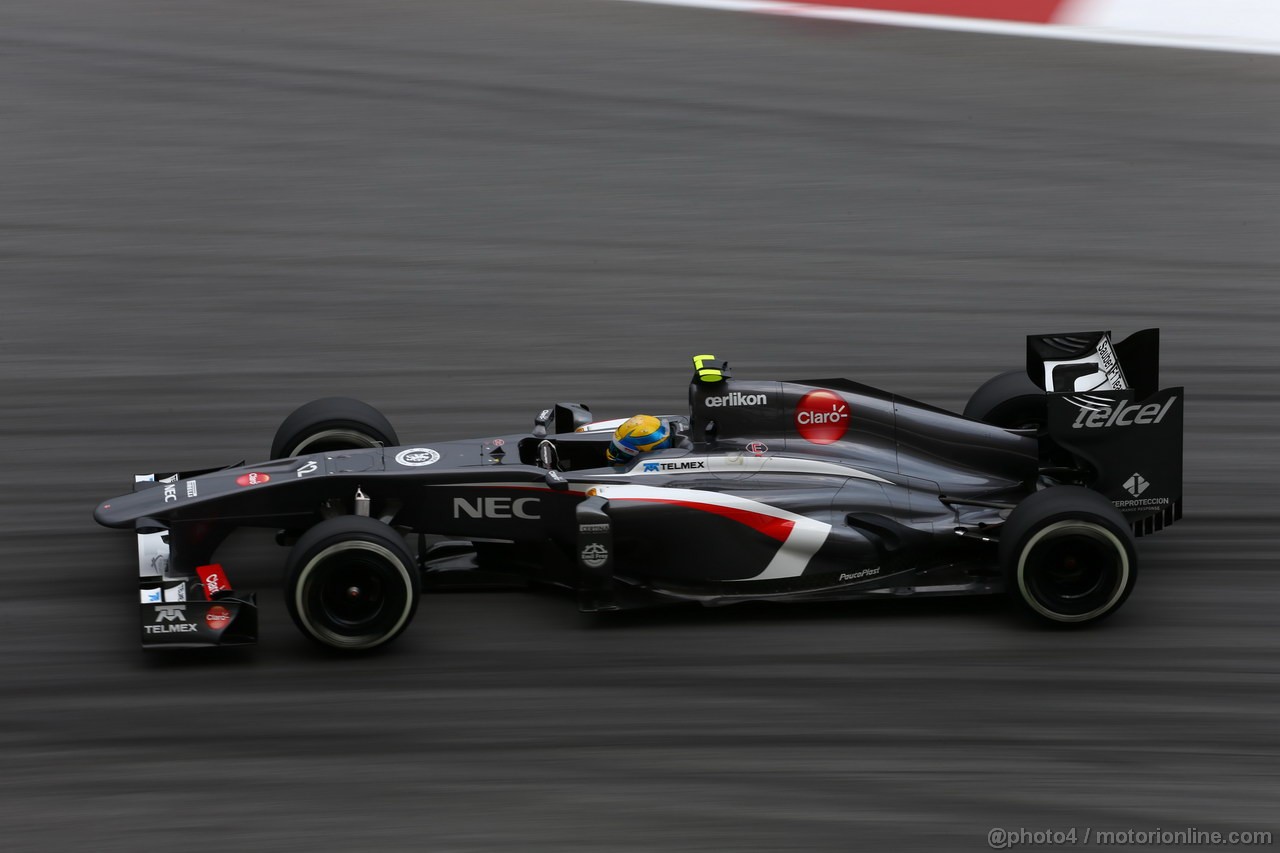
[1101, 416]
[496, 508]
[822, 417]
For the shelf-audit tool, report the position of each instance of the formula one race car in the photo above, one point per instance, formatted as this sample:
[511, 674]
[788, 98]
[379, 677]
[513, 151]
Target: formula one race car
[769, 490]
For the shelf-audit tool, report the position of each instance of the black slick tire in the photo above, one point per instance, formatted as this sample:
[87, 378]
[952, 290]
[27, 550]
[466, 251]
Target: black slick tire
[332, 423]
[1010, 400]
[351, 584]
[1068, 557]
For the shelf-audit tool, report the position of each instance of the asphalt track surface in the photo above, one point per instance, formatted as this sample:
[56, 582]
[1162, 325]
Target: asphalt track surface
[210, 213]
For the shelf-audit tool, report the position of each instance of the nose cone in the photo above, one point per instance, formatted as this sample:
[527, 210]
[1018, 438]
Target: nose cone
[125, 510]
[106, 515]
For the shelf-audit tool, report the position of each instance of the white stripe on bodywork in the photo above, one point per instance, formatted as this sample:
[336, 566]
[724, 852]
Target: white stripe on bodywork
[793, 555]
[602, 426]
[1089, 405]
[738, 463]
[744, 463]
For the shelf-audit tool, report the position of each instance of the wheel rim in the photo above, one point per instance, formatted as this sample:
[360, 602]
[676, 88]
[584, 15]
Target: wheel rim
[334, 439]
[1073, 571]
[354, 595]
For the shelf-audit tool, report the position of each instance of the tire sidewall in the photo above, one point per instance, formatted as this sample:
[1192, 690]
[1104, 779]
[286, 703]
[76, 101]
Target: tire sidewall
[368, 426]
[363, 435]
[328, 541]
[1051, 510]
[1128, 567]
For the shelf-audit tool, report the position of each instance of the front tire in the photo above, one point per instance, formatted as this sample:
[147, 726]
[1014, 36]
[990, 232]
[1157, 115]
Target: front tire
[329, 424]
[1068, 557]
[351, 584]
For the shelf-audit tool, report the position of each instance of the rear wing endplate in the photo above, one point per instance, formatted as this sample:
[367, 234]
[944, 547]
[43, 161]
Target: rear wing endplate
[1105, 406]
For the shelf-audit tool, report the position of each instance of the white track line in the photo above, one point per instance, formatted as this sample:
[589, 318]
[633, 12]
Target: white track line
[976, 25]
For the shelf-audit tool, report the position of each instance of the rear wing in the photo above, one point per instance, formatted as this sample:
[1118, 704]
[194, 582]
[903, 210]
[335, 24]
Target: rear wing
[1106, 408]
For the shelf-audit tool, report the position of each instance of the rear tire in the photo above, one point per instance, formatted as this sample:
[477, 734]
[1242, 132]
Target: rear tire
[351, 584]
[333, 423]
[1068, 557]
[1010, 400]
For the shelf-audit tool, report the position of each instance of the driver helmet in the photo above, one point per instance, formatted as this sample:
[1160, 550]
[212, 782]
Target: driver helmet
[639, 434]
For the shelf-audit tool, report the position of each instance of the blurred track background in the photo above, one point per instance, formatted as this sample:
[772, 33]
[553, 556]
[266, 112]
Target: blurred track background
[462, 211]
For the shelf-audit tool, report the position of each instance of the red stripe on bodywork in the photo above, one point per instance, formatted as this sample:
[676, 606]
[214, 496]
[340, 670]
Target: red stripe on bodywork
[1030, 11]
[775, 528]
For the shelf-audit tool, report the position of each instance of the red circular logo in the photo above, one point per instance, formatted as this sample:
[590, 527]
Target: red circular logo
[217, 617]
[822, 417]
[254, 479]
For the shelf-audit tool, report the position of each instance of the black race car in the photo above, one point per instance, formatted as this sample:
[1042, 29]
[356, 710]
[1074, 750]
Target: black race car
[771, 490]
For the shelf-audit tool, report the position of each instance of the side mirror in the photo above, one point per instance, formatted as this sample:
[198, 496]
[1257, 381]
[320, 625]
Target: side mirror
[570, 416]
[541, 421]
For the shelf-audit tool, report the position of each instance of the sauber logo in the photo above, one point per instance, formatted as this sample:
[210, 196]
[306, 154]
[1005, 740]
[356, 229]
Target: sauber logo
[496, 508]
[1100, 415]
[417, 457]
[822, 417]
